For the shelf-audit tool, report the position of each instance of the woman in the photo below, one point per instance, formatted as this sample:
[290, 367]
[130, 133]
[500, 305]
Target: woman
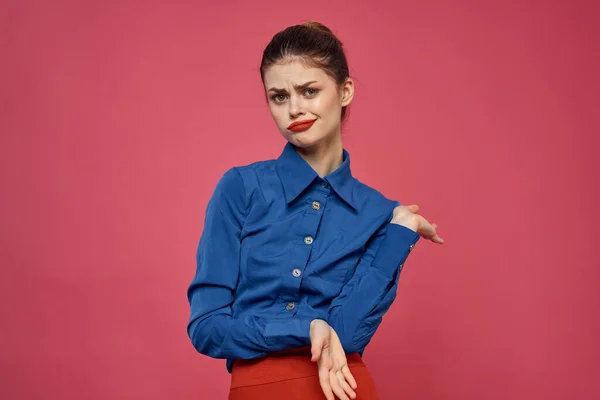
[298, 260]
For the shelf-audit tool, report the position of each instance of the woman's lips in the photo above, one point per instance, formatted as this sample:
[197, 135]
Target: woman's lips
[301, 125]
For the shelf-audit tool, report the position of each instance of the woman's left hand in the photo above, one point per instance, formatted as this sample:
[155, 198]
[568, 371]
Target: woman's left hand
[334, 374]
[408, 216]
[340, 370]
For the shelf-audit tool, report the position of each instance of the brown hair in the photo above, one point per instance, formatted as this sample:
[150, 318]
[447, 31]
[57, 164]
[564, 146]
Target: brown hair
[313, 44]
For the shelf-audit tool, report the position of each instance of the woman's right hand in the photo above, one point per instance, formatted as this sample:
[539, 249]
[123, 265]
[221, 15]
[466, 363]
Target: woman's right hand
[409, 217]
[327, 351]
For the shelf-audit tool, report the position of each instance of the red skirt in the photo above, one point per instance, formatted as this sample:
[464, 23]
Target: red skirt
[291, 375]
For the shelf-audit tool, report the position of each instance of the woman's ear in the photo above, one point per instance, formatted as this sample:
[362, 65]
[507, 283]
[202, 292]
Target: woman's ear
[347, 92]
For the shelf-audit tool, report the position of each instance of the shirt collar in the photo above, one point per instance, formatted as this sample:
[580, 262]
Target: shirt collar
[296, 175]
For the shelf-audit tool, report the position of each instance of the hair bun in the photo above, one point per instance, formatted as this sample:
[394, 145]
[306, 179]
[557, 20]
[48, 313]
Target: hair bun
[317, 25]
[320, 27]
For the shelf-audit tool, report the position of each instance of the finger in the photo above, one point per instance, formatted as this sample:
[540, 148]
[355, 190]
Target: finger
[425, 228]
[342, 381]
[316, 351]
[336, 387]
[434, 236]
[349, 377]
[325, 384]
[325, 365]
[413, 208]
[436, 239]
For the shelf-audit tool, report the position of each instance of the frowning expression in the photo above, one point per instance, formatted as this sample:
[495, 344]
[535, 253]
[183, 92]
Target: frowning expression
[305, 102]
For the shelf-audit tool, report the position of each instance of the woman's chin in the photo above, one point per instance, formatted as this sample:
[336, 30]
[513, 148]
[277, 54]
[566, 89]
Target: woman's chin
[302, 139]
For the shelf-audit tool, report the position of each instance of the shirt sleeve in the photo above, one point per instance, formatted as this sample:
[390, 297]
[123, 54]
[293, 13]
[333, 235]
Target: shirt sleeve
[356, 313]
[212, 328]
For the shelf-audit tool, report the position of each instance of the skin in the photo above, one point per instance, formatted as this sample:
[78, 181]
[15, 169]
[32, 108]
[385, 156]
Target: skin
[321, 147]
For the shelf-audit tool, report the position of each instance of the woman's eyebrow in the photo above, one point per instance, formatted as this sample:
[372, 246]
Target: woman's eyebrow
[304, 85]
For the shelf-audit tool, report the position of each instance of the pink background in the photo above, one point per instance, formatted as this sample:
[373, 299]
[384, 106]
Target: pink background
[117, 119]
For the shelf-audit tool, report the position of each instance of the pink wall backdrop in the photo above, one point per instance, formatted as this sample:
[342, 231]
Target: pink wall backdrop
[117, 119]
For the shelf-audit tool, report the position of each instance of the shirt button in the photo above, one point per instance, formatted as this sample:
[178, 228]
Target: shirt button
[316, 205]
[325, 185]
[296, 272]
[308, 240]
[290, 306]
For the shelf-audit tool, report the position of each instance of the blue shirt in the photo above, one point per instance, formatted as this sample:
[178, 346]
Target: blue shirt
[282, 246]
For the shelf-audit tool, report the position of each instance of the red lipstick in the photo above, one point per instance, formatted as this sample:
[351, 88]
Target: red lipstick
[299, 126]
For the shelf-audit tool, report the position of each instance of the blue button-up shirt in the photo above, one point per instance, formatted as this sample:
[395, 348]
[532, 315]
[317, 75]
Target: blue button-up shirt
[282, 246]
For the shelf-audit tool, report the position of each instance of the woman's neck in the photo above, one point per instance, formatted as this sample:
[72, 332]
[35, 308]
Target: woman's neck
[324, 158]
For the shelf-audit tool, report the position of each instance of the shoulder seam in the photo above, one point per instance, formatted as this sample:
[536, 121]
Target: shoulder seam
[246, 202]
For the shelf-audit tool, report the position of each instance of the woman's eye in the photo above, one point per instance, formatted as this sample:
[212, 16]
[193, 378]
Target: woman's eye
[280, 98]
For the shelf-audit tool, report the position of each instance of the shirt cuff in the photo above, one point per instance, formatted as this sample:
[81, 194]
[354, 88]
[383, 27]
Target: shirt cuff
[293, 332]
[397, 244]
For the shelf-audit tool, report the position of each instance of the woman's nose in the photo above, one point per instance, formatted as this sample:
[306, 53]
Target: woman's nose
[296, 107]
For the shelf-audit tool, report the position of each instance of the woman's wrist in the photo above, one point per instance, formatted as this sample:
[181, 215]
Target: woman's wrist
[408, 221]
[316, 320]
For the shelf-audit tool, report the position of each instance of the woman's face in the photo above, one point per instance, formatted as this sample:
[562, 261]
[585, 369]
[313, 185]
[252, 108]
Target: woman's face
[296, 94]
